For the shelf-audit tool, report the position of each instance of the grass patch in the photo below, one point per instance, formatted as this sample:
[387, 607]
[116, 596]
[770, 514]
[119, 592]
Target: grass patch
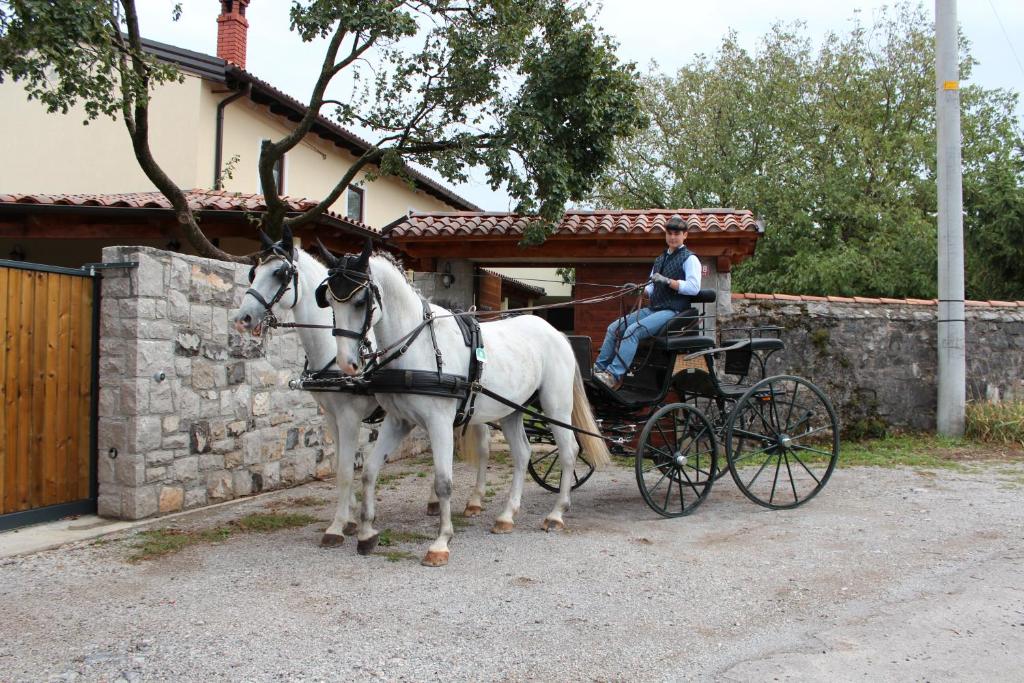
[161, 542]
[389, 537]
[263, 522]
[460, 521]
[396, 555]
[1001, 423]
[921, 450]
[388, 479]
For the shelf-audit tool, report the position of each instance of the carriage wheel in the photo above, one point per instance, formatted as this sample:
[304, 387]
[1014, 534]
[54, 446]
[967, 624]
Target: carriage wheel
[782, 442]
[675, 460]
[546, 470]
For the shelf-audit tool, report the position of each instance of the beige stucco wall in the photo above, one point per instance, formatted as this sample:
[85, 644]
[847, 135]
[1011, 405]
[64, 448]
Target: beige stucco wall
[57, 154]
[547, 278]
[312, 168]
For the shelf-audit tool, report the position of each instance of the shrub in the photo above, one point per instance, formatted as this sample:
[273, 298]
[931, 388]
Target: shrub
[996, 422]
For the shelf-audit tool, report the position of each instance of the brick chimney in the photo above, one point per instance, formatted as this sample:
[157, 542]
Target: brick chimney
[232, 28]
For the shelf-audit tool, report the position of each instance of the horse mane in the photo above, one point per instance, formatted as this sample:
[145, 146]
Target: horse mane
[394, 261]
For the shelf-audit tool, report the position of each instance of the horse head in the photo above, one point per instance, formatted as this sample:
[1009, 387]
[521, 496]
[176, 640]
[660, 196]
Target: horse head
[350, 293]
[273, 275]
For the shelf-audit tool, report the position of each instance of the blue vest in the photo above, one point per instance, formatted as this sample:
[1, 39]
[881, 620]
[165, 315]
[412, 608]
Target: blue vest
[671, 266]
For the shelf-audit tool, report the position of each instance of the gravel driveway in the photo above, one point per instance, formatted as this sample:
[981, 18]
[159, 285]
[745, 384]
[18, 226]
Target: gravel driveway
[887, 575]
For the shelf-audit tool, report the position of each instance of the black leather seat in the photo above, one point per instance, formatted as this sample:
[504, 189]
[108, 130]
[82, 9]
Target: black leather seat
[758, 343]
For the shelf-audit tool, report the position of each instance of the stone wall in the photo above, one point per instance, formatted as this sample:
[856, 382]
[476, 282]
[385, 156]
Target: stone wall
[877, 358]
[191, 413]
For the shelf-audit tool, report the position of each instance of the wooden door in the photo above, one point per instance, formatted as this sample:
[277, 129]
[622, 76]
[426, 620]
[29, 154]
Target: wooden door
[47, 319]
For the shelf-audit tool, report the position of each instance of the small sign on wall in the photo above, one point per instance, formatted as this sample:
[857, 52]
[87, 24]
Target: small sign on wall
[705, 270]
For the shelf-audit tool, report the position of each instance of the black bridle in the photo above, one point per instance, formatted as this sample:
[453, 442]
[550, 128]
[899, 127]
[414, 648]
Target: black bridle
[288, 274]
[342, 284]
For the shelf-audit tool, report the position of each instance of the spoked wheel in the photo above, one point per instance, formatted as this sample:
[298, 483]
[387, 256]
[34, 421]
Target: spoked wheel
[782, 442]
[675, 460]
[546, 470]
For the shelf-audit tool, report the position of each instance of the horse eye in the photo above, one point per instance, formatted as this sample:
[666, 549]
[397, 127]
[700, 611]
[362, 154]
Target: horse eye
[360, 303]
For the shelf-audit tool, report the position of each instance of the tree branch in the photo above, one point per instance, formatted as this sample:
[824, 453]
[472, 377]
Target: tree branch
[139, 133]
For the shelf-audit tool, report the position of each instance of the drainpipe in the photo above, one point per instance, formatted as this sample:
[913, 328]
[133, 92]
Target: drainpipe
[218, 145]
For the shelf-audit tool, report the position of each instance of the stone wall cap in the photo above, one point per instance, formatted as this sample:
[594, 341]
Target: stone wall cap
[870, 300]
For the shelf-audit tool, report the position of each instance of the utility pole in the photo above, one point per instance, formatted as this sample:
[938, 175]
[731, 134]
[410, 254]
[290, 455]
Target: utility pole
[951, 337]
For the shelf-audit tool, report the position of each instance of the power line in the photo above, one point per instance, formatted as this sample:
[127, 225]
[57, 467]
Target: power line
[1007, 36]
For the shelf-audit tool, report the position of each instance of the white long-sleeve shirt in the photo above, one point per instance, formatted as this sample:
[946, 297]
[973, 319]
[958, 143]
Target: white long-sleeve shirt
[691, 285]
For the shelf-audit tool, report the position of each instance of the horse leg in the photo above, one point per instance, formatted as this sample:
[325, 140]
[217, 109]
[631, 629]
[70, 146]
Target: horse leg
[441, 443]
[519, 447]
[433, 505]
[567, 449]
[477, 440]
[344, 422]
[392, 431]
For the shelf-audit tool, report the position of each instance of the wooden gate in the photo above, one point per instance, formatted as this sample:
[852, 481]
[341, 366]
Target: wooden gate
[48, 331]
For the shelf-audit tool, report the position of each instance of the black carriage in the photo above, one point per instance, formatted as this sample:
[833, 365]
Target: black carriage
[687, 400]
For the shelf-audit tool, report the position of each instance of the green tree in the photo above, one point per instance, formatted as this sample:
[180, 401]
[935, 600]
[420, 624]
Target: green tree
[835, 148]
[528, 89]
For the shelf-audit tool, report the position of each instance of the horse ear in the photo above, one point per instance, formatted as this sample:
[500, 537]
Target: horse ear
[364, 257]
[264, 238]
[286, 238]
[328, 257]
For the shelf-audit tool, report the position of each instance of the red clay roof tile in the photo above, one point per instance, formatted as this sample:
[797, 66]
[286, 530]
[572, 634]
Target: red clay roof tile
[198, 200]
[453, 224]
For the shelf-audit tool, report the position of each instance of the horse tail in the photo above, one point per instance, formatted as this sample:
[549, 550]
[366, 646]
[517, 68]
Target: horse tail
[594, 448]
[465, 444]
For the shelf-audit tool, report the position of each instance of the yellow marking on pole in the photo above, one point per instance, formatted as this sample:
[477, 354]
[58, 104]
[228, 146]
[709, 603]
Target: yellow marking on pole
[951, 85]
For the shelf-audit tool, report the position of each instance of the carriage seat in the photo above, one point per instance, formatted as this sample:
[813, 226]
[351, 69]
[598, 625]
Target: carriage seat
[759, 343]
[684, 343]
[685, 325]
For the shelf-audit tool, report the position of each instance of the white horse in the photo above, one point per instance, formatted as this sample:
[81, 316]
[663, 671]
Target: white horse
[524, 355]
[284, 278]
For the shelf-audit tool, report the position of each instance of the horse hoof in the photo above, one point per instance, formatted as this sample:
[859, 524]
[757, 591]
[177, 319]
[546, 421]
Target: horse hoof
[350, 529]
[366, 546]
[435, 558]
[553, 525]
[331, 541]
[472, 511]
[501, 527]
[433, 509]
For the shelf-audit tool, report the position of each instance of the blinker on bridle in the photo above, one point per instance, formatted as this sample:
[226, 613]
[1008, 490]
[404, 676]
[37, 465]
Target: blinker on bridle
[350, 282]
[288, 274]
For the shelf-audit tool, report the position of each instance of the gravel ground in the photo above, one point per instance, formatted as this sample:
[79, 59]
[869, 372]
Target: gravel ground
[887, 575]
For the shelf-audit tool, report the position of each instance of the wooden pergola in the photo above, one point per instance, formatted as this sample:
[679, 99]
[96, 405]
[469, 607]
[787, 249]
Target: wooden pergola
[726, 236]
[607, 248]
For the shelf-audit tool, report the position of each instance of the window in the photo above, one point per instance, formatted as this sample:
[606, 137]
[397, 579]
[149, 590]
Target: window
[278, 171]
[354, 204]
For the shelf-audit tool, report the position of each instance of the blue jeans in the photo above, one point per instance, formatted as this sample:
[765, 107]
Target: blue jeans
[626, 333]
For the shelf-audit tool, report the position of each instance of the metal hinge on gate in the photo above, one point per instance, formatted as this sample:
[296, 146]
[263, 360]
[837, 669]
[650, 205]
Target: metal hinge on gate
[93, 267]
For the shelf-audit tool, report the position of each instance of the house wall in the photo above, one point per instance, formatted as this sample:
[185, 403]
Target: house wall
[55, 153]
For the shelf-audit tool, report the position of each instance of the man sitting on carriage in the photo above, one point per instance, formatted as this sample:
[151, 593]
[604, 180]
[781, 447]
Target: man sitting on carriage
[674, 279]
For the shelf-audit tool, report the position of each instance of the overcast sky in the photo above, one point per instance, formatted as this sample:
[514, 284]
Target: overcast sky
[668, 32]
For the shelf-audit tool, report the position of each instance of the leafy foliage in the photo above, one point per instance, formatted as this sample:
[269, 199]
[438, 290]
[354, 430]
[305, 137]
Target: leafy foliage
[528, 89]
[835, 149]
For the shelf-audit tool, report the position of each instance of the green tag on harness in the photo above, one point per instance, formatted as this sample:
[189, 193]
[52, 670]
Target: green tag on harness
[481, 355]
